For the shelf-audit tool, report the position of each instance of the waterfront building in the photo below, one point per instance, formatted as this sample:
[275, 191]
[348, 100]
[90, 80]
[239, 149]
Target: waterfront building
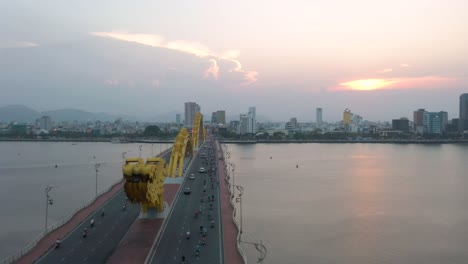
[234, 126]
[433, 122]
[45, 123]
[191, 108]
[347, 117]
[218, 117]
[291, 125]
[252, 120]
[178, 119]
[401, 124]
[318, 117]
[244, 124]
[463, 118]
[418, 120]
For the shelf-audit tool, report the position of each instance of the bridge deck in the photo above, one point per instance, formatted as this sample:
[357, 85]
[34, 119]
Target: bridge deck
[138, 241]
[48, 241]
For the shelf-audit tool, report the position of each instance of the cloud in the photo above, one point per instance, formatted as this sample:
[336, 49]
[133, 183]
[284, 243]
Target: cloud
[112, 82]
[155, 83]
[385, 70]
[213, 70]
[404, 65]
[395, 83]
[190, 47]
[17, 44]
[250, 77]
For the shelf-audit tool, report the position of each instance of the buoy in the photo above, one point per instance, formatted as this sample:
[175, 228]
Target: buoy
[56, 165]
[297, 165]
[270, 157]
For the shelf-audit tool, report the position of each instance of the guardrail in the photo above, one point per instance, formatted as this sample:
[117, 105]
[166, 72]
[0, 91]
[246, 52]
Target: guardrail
[33, 243]
[238, 240]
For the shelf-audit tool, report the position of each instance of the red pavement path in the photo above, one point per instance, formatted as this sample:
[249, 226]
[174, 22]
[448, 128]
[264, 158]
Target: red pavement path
[137, 243]
[230, 230]
[49, 240]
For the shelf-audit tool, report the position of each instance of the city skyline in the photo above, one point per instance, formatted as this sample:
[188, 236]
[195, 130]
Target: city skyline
[382, 60]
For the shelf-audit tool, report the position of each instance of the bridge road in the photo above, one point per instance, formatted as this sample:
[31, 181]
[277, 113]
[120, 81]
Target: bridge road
[102, 239]
[173, 243]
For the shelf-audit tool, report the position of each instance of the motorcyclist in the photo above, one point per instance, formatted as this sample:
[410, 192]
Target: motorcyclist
[188, 234]
[57, 243]
[92, 222]
[85, 232]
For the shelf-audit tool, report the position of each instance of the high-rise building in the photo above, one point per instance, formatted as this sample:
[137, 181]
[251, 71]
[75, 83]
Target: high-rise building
[463, 119]
[191, 108]
[292, 124]
[244, 121]
[418, 117]
[318, 119]
[218, 117]
[433, 122]
[45, 122]
[252, 122]
[401, 124]
[346, 117]
[177, 119]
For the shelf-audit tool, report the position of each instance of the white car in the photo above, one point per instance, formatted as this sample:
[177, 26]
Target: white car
[201, 170]
[192, 176]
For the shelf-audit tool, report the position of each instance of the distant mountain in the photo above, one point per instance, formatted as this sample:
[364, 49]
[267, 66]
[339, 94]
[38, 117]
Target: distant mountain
[166, 117]
[18, 113]
[21, 113]
[80, 115]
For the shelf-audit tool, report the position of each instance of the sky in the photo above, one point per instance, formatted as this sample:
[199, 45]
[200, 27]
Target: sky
[381, 59]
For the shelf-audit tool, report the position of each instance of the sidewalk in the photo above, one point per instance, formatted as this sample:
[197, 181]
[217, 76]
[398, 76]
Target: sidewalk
[231, 253]
[49, 240]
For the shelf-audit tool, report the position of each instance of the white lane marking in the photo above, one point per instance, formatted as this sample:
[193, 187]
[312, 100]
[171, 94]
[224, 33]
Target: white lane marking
[85, 259]
[62, 259]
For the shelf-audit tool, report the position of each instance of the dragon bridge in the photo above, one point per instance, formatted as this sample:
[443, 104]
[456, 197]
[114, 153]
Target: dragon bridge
[144, 182]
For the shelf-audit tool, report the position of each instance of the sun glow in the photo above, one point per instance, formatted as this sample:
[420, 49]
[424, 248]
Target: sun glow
[368, 84]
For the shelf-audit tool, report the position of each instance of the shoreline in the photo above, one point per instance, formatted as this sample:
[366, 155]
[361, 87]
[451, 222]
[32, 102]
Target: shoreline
[260, 141]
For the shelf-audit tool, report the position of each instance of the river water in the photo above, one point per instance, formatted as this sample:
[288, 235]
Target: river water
[26, 168]
[354, 203]
[345, 203]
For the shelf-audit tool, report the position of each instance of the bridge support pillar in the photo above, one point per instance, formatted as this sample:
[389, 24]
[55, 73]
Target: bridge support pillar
[152, 213]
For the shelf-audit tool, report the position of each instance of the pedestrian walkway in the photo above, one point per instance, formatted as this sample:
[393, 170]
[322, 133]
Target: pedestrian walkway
[48, 241]
[230, 230]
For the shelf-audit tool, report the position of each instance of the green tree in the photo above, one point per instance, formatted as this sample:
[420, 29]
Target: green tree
[151, 131]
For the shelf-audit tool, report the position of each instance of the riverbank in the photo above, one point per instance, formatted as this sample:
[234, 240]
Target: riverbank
[263, 141]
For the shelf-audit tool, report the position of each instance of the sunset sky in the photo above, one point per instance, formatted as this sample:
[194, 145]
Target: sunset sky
[381, 59]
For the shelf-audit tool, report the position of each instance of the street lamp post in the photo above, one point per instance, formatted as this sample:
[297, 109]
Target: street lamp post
[152, 148]
[96, 168]
[123, 156]
[140, 147]
[48, 201]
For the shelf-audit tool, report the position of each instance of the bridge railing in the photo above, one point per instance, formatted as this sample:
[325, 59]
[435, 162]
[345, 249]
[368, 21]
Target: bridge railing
[45, 232]
[231, 200]
[25, 250]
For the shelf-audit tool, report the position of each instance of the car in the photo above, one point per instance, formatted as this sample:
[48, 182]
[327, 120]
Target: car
[192, 176]
[201, 170]
[187, 190]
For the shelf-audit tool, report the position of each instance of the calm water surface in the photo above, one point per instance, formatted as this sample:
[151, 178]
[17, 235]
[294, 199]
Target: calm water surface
[346, 203]
[355, 203]
[26, 168]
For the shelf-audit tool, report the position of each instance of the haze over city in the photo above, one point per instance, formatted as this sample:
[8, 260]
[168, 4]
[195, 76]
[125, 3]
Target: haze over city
[382, 59]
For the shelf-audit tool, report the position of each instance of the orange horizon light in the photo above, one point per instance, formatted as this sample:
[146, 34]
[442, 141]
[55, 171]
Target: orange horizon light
[368, 84]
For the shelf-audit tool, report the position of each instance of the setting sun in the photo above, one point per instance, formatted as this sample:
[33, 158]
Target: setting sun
[368, 84]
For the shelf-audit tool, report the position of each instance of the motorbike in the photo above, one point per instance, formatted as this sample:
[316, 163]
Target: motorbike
[187, 235]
